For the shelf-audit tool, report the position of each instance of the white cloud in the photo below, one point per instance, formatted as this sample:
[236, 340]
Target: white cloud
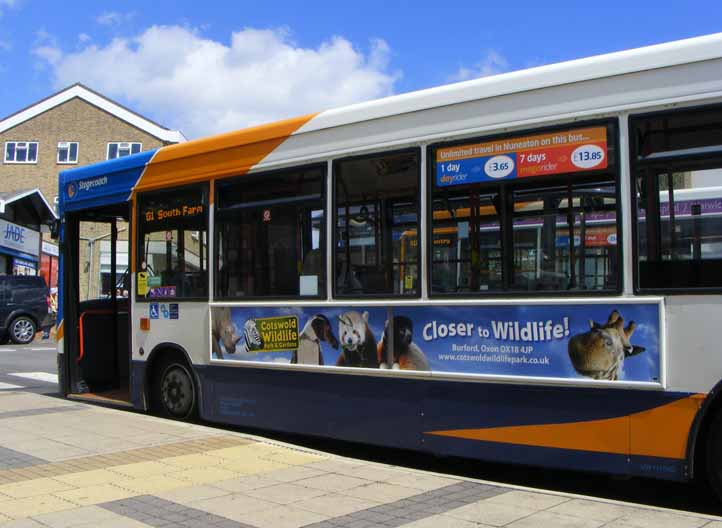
[4, 6]
[84, 37]
[492, 63]
[6, 45]
[46, 49]
[113, 18]
[49, 54]
[7, 4]
[203, 86]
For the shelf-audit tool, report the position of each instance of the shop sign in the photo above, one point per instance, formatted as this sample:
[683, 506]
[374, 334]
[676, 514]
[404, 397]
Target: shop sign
[50, 249]
[19, 238]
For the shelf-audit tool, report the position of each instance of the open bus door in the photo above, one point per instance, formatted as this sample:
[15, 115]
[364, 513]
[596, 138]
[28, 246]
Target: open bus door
[95, 363]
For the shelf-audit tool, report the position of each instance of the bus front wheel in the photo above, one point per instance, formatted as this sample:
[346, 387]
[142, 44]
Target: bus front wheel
[174, 391]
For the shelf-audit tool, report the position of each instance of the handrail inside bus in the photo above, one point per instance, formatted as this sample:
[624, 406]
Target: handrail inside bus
[81, 353]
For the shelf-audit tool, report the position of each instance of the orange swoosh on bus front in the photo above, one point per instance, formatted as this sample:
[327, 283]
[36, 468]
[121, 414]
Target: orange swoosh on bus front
[611, 435]
[233, 153]
[60, 332]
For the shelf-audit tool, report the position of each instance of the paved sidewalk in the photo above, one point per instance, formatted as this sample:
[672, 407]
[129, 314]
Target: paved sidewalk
[66, 464]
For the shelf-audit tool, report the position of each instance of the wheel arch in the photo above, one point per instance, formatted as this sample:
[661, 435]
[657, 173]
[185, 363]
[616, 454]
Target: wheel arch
[158, 352]
[698, 432]
[21, 312]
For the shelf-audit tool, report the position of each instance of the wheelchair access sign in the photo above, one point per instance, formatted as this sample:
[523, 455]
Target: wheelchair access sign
[163, 310]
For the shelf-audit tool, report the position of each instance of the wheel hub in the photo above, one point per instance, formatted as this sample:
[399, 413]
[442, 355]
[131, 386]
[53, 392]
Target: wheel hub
[177, 392]
[22, 330]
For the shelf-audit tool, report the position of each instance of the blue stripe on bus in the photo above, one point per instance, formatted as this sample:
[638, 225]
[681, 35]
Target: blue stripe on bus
[396, 413]
[104, 183]
[619, 464]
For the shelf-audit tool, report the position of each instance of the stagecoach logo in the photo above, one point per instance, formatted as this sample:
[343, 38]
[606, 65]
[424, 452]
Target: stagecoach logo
[85, 185]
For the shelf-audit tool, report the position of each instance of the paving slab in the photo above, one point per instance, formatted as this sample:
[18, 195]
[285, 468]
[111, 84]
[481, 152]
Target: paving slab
[125, 469]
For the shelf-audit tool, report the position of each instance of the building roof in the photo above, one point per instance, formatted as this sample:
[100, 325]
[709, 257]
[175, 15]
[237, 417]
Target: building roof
[95, 99]
[32, 197]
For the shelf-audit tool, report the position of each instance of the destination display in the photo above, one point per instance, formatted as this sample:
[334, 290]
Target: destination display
[581, 149]
[160, 213]
[571, 341]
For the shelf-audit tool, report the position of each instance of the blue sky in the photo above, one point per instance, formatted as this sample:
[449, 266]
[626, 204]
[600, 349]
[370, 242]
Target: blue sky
[211, 66]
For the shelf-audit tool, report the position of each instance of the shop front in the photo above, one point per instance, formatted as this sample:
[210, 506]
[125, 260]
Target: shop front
[25, 218]
[49, 264]
[19, 249]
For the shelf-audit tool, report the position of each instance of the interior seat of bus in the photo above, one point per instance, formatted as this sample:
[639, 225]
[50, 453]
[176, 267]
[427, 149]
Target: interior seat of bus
[96, 305]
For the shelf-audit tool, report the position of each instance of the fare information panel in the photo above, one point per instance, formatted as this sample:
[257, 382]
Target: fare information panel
[574, 150]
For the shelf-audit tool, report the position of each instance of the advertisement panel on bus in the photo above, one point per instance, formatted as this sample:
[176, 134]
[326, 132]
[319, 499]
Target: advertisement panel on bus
[569, 341]
[574, 150]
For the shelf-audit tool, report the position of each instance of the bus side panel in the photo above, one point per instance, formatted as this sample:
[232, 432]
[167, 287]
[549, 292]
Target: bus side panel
[364, 409]
[560, 427]
[137, 384]
[590, 429]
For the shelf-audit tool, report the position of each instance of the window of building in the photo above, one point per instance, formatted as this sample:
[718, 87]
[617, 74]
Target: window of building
[532, 212]
[121, 282]
[678, 199]
[376, 225]
[21, 152]
[118, 150]
[68, 152]
[173, 243]
[271, 233]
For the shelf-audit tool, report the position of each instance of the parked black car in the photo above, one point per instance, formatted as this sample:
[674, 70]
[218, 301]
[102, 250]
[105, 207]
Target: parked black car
[23, 307]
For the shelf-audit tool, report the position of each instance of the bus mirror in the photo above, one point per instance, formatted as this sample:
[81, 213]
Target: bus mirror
[55, 229]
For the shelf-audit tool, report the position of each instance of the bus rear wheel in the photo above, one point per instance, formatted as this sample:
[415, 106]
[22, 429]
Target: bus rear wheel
[713, 454]
[174, 391]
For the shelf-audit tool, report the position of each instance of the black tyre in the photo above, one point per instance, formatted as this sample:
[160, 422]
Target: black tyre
[22, 330]
[174, 391]
[713, 455]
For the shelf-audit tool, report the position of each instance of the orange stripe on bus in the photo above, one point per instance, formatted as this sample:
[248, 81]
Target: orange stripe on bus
[670, 422]
[133, 234]
[658, 432]
[234, 153]
[60, 332]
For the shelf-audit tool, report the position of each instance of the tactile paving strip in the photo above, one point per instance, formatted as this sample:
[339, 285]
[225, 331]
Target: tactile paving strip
[42, 410]
[41, 468]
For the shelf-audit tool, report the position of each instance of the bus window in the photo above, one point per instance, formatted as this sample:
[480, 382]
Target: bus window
[539, 215]
[679, 199]
[565, 237]
[173, 243]
[466, 233]
[376, 213]
[271, 235]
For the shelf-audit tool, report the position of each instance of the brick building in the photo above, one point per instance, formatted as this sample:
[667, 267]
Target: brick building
[73, 127]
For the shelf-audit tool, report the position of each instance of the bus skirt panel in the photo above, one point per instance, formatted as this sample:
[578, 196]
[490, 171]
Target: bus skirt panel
[615, 430]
